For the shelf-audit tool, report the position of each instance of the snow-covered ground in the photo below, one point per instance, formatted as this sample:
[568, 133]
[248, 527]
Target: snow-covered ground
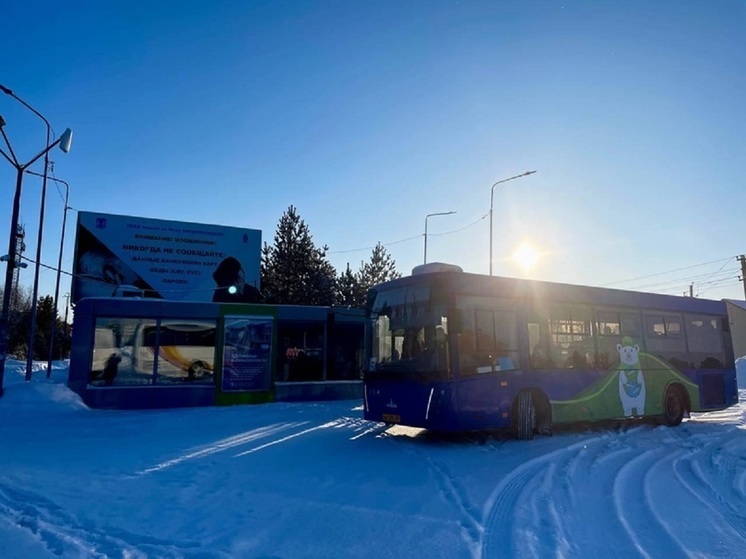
[315, 480]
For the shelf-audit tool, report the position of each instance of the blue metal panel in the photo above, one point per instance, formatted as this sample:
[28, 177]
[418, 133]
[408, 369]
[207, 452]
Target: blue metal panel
[317, 391]
[81, 347]
[416, 404]
[148, 397]
[342, 314]
[292, 312]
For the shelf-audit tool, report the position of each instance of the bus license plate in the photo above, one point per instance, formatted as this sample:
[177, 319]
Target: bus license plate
[391, 418]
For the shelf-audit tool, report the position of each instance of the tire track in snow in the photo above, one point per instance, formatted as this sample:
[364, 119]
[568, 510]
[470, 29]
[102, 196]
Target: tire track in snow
[672, 494]
[727, 464]
[511, 530]
[632, 494]
[716, 488]
[545, 536]
[454, 493]
[65, 536]
[591, 485]
[498, 524]
[560, 506]
[565, 502]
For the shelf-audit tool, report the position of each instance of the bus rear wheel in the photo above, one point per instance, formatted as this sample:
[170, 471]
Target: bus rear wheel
[525, 417]
[196, 370]
[674, 407]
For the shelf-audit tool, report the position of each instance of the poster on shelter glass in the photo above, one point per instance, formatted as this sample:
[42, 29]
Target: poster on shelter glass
[247, 350]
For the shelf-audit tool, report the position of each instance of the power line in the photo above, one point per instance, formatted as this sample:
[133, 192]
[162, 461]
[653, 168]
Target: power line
[459, 230]
[668, 272]
[408, 238]
[372, 247]
[719, 283]
[700, 278]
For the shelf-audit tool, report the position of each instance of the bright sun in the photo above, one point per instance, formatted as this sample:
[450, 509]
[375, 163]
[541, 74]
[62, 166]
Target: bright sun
[526, 256]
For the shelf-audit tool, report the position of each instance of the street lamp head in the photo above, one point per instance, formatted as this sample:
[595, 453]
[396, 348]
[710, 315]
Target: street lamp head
[439, 213]
[66, 140]
[492, 196]
[424, 260]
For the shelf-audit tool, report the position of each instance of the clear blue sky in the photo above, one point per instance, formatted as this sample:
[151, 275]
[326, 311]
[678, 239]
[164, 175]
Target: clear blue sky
[367, 116]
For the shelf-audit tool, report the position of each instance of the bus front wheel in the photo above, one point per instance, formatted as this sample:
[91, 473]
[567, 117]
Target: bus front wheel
[525, 417]
[674, 406]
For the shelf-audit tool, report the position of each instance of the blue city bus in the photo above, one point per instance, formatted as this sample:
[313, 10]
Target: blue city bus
[454, 351]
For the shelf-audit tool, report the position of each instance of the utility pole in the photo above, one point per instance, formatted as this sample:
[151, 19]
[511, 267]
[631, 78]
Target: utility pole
[742, 260]
[691, 290]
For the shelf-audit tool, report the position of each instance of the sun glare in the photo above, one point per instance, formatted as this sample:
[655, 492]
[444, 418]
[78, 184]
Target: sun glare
[526, 256]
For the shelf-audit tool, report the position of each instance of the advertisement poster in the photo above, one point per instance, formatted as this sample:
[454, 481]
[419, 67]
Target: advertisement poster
[117, 255]
[247, 353]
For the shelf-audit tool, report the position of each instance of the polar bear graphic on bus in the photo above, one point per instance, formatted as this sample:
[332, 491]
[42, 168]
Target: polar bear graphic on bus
[631, 379]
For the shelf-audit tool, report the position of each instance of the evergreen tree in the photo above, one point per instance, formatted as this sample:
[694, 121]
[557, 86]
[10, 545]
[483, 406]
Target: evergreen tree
[19, 323]
[20, 326]
[349, 293]
[294, 271]
[45, 317]
[380, 268]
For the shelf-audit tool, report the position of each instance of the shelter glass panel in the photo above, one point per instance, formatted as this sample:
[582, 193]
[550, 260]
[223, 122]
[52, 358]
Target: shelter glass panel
[186, 351]
[301, 351]
[115, 360]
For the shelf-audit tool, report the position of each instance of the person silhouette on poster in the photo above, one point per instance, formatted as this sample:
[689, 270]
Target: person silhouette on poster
[104, 267]
[231, 284]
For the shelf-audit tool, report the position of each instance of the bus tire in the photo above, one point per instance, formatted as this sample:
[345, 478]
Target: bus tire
[525, 420]
[674, 406]
[196, 370]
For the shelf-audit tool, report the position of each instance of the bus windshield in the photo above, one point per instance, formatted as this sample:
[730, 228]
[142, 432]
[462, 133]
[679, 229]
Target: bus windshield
[409, 333]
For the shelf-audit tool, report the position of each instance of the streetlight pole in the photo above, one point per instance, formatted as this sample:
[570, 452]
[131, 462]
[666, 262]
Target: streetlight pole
[492, 196]
[430, 215]
[59, 270]
[32, 336]
[64, 142]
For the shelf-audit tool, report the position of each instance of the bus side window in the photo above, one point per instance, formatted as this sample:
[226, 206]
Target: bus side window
[607, 351]
[540, 357]
[468, 361]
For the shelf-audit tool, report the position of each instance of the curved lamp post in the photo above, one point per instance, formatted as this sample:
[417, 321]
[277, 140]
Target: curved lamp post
[64, 141]
[492, 195]
[430, 215]
[30, 356]
[59, 268]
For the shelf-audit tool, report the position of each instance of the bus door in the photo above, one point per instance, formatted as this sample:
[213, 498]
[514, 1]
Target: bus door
[488, 361]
